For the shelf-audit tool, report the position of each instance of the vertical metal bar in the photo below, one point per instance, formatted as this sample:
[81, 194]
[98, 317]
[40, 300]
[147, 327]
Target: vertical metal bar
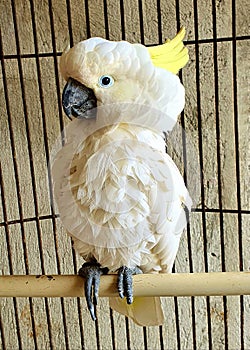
[161, 338]
[106, 20]
[127, 333]
[97, 331]
[145, 340]
[159, 21]
[53, 39]
[122, 20]
[177, 14]
[71, 40]
[140, 7]
[73, 251]
[5, 213]
[217, 117]
[112, 325]
[2, 334]
[218, 136]
[46, 154]
[177, 325]
[59, 105]
[31, 162]
[237, 160]
[196, 29]
[87, 19]
[80, 322]
[184, 150]
[52, 30]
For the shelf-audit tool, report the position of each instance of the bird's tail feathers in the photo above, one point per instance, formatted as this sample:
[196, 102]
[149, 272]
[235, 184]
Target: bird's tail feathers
[144, 311]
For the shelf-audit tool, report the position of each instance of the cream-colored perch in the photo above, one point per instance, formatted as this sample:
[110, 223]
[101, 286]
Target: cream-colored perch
[183, 284]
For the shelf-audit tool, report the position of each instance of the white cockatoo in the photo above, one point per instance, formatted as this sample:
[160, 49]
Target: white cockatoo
[120, 196]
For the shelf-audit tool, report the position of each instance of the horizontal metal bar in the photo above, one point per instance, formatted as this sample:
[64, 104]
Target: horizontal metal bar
[31, 55]
[56, 216]
[179, 284]
[218, 210]
[34, 218]
[217, 40]
[189, 42]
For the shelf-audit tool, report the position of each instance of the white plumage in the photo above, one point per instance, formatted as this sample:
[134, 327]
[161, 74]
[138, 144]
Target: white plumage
[120, 196]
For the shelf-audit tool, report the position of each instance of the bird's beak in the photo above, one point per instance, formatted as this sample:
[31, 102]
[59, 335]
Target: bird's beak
[78, 101]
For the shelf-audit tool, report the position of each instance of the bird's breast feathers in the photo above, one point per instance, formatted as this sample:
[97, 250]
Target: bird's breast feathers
[122, 198]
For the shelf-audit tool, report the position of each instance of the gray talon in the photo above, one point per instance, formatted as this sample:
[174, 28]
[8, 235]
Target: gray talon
[125, 282]
[92, 272]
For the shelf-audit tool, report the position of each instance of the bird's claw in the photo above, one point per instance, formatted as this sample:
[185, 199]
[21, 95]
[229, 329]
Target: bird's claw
[125, 282]
[92, 272]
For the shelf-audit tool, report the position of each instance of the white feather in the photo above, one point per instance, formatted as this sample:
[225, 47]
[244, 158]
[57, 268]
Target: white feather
[119, 194]
[123, 195]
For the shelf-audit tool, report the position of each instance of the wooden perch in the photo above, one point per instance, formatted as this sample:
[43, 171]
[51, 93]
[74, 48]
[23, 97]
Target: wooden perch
[179, 284]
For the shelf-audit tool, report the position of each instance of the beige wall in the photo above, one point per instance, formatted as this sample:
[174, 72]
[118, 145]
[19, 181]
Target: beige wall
[30, 125]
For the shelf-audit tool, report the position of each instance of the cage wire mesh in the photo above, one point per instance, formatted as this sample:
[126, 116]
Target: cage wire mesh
[216, 118]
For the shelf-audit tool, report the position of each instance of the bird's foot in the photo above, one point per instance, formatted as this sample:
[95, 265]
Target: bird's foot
[92, 272]
[125, 282]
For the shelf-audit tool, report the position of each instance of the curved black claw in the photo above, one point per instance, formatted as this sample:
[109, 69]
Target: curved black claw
[92, 272]
[125, 282]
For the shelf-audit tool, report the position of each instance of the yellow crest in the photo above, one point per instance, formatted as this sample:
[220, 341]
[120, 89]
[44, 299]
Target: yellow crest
[172, 55]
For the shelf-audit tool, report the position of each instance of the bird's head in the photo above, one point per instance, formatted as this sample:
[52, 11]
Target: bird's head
[101, 72]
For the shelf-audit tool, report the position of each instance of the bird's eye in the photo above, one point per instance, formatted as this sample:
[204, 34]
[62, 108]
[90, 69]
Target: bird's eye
[106, 81]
